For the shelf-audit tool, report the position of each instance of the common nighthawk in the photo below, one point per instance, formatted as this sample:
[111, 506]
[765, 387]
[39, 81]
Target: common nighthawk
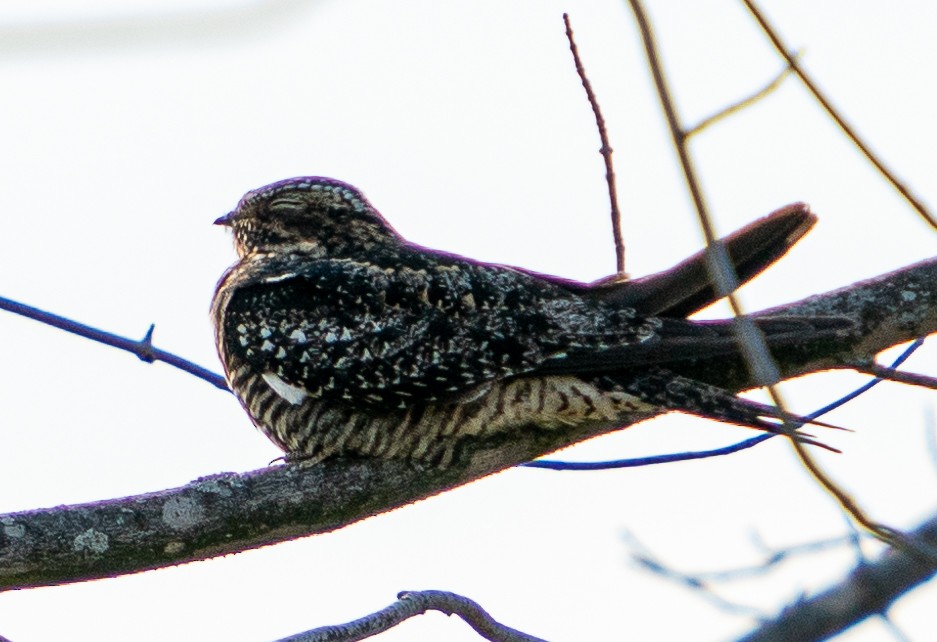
[339, 337]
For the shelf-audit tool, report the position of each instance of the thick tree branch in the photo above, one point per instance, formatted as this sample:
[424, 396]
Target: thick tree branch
[232, 512]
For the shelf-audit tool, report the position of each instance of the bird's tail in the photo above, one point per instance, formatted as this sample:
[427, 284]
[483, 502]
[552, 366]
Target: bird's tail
[669, 390]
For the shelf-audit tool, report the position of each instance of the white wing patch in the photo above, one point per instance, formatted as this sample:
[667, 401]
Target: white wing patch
[279, 277]
[293, 394]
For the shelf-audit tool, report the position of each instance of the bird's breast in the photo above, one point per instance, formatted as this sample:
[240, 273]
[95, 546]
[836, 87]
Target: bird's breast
[316, 428]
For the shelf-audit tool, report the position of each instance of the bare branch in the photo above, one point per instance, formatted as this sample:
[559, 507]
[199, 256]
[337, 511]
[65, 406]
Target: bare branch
[741, 104]
[645, 559]
[233, 512]
[758, 358]
[867, 591]
[409, 604]
[605, 150]
[891, 374]
[772, 559]
[653, 460]
[791, 59]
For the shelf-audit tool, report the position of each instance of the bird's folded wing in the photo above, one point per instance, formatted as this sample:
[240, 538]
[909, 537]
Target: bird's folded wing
[678, 340]
[686, 288]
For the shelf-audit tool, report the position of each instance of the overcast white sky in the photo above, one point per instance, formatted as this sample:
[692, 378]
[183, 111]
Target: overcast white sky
[127, 128]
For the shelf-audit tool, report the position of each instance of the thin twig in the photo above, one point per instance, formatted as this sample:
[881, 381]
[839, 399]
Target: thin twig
[774, 558]
[409, 604]
[644, 558]
[791, 59]
[605, 150]
[635, 462]
[893, 628]
[143, 348]
[909, 378]
[742, 104]
[700, 587]
[752, 344]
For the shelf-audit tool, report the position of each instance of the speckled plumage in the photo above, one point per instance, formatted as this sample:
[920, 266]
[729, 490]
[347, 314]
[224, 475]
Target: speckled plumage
[340, 337]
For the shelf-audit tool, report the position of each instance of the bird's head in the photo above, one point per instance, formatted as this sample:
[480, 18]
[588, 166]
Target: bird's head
[310, 214]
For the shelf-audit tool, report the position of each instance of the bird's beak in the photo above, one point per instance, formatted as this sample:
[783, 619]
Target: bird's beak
[227, 219]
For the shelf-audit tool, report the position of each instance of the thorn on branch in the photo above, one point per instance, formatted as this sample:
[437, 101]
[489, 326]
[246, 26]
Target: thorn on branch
[145, 351]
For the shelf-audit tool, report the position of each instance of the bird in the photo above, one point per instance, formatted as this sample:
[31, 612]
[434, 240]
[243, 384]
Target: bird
[340, 338]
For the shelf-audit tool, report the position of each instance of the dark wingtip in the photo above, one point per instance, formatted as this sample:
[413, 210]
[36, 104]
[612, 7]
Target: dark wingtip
[796, 218]
[685, 288]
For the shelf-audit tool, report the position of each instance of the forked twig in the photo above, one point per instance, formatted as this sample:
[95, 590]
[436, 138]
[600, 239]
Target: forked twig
[811, 86]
